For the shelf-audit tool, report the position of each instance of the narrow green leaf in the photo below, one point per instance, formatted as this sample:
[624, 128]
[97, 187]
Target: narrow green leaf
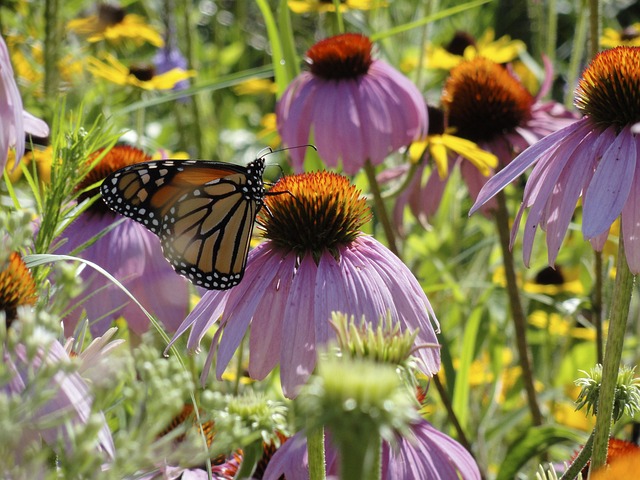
[279, 60]
[461, 392]
[428, 19]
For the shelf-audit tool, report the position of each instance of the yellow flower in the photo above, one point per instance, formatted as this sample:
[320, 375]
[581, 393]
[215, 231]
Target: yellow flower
[322, 6]
[464, 47]
[42, 157]
[256, 86]
[555, 281]
[27, 57]
[269, 132]
[114, 71]
[629, 37]
[560, 326]
[439, 146]
[113, 24]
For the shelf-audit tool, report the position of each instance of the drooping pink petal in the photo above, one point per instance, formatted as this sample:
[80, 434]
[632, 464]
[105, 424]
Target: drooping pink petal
[610, 185]
[298, 355]
[630, 230]
[241, 307]
[265, 341]
[571, 184]
[523, 161]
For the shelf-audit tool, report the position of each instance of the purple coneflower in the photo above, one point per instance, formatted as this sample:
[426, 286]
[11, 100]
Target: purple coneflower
[596, 157]
[315, 261]
[15, 121]
[428, 453]
[131, 254]
[355, 107]
[486, 104]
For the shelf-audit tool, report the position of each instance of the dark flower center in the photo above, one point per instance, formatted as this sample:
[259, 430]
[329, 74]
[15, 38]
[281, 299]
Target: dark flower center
[110, 15]
[459, 42]
[17, 287]
[483, 100]
[436, 121]
[313, 212]
[340, 57]
[609, 90]
[549, 276]
[144, 73]
[116, 158]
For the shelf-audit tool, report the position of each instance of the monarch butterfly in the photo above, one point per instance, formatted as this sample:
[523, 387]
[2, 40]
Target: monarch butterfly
[203, 213]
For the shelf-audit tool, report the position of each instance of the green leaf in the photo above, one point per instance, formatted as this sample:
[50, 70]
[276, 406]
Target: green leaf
[535, 441]
[461, 391]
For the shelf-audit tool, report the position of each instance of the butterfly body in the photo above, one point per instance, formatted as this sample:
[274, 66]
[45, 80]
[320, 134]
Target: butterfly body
[203, 212]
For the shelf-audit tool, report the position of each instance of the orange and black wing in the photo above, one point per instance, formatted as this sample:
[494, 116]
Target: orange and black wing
[203, 213]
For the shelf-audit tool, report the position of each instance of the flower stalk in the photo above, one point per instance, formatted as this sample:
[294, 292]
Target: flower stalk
[380, 209]
[613, 353]
[517, 313]
[316, 454]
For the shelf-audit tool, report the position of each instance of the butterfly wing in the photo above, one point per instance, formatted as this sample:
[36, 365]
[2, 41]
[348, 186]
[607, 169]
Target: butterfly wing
[203, 213]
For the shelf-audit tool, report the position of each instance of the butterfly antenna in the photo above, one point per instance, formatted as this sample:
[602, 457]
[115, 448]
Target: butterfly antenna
[284, 149]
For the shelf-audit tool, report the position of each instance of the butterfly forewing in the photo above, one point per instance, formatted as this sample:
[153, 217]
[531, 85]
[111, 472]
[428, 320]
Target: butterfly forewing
[203, 213]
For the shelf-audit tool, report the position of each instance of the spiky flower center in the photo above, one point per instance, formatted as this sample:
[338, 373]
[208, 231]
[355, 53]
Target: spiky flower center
[340, 57]
[17, 287]
[313, 212]
[609, 90]
[116, 158]
[483, 100]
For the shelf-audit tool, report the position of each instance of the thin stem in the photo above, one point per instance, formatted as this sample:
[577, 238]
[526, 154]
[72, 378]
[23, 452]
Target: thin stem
[381, 211]
[316, 457]
[188, 34]
[51, 48]
[517, 313]
[577, 52]
[597, 307]
[446, 401]
[613, 353]
[580, 461]
[552, 30]
[594, 27]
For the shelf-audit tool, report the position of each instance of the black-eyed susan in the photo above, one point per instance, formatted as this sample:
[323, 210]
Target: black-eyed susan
[463, 46]
[141, 76]
[322, 6]
[445, 151]
[628, 36]
[113, 24]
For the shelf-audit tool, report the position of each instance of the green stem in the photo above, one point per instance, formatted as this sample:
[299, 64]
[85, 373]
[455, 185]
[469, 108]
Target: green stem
[517, 313]
[577, 52]
[51, 49]
[381, 211]
[552, 30]
[446, 401]
[187, 35]
[613, 353]
[315, 453]
[580, 461]
[594, 27]
[597, 307]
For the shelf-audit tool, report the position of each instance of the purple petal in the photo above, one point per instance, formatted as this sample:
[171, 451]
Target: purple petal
[608, 191]
[631, 219]
[523, 161]
[265, 341]
[298, 355]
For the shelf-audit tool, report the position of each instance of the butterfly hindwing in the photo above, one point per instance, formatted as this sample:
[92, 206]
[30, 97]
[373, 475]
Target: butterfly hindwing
[203, 213]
